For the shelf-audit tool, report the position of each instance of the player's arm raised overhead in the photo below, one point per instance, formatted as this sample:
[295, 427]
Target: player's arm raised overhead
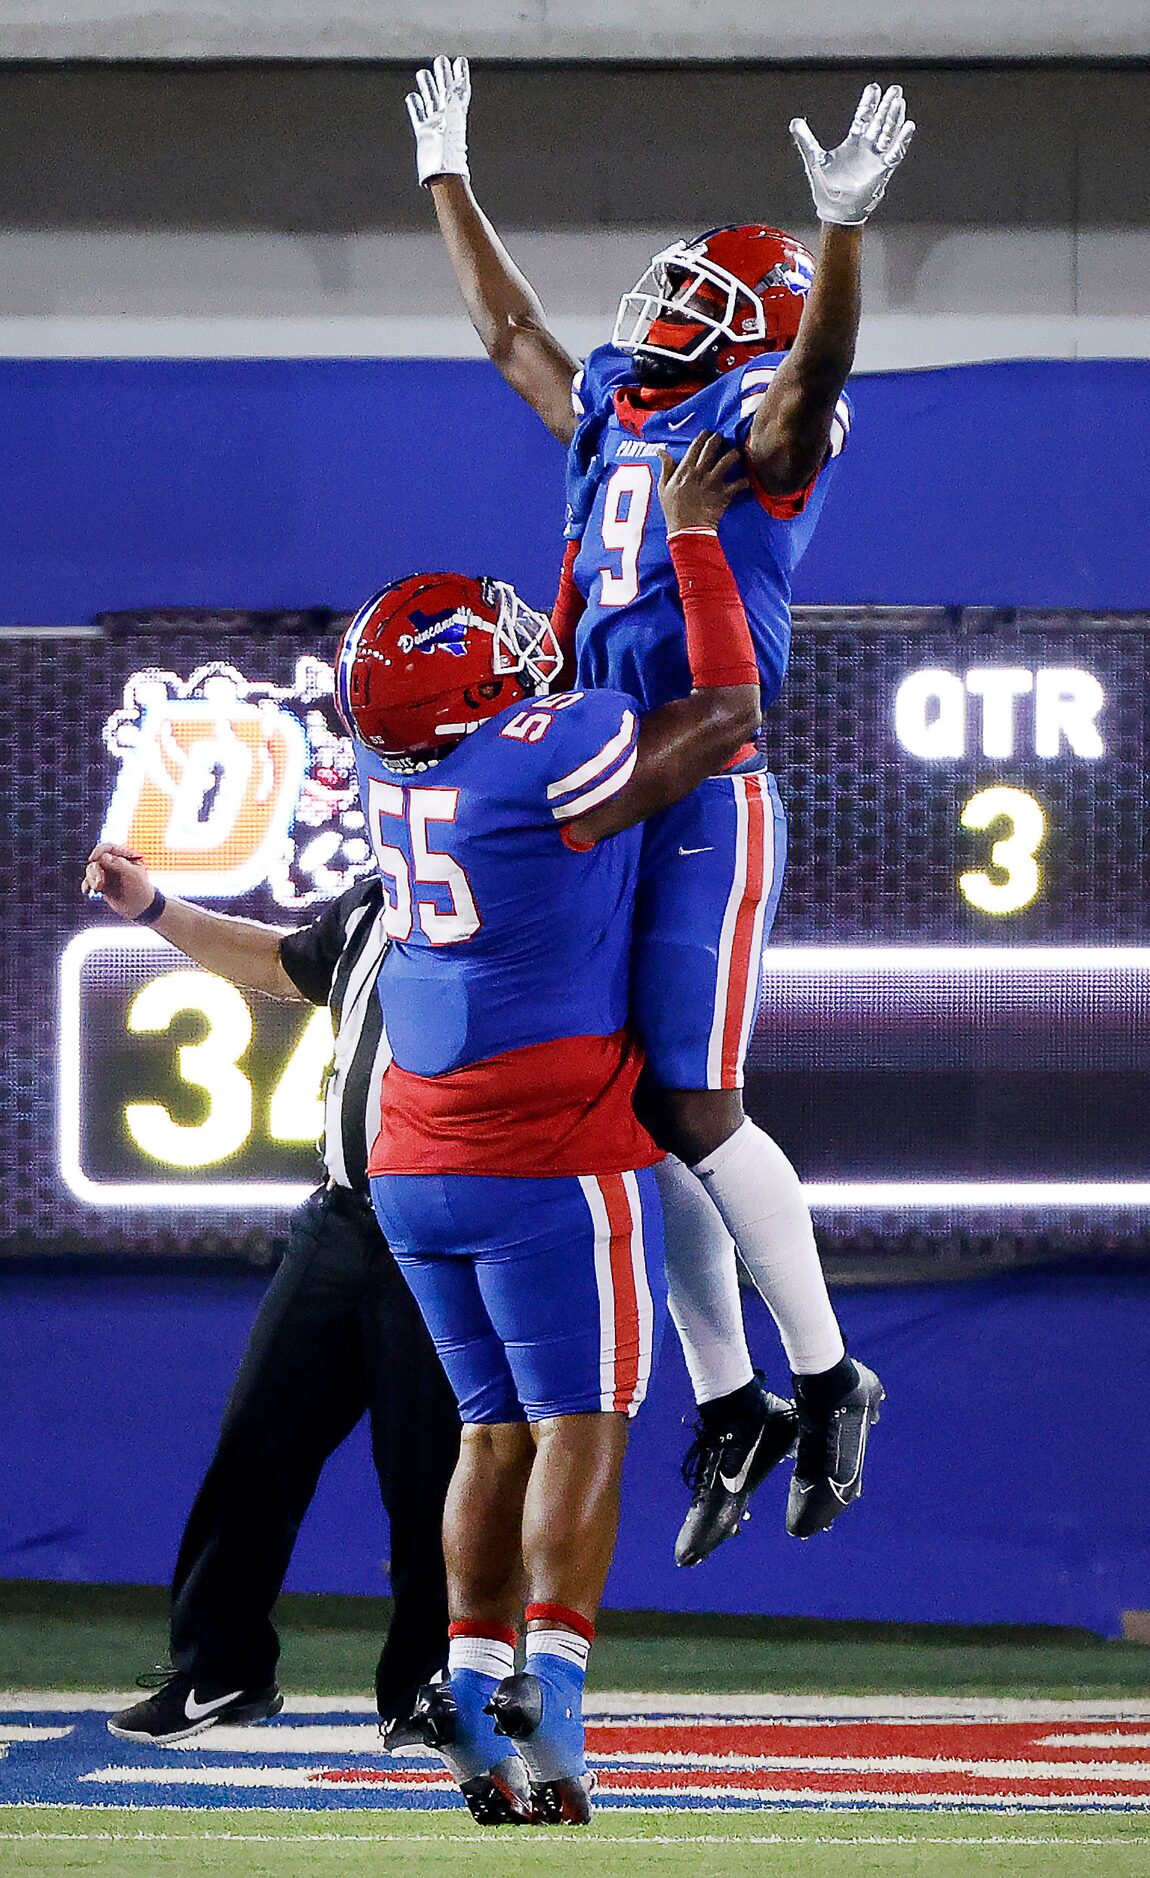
[789, 437]
[684, 742]
[504, 310]
[237, 949]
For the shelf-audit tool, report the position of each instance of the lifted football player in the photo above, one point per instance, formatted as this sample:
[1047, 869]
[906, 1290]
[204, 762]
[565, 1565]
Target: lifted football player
[510, 1173]
[742, 332]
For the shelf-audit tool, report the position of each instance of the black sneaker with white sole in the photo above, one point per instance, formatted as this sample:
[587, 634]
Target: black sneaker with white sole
[725, 1464]
[182, 1707]
[832, 1448]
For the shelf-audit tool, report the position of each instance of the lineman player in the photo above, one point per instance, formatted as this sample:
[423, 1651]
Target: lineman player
[510, 1174]
[741, 332]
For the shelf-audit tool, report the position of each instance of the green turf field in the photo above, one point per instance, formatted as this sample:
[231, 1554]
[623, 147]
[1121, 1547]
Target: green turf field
[271, 1845]
[72, 1638]
[100, 1637]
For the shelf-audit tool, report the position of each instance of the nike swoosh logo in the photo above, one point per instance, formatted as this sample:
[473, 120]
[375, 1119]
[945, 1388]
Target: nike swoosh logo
[739, 1481]
[679, 425]
[195, 1711]
[850, 1486]
[686, 851]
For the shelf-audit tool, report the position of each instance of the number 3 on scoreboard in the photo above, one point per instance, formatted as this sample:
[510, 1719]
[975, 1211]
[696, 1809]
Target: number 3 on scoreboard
[1015, 854]
[429, 866]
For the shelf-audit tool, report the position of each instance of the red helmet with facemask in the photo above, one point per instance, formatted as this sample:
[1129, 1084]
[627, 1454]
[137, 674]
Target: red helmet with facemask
[713, 303]
[432, 657]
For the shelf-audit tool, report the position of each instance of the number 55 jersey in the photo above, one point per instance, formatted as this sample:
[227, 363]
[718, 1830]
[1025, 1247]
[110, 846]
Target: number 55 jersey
[505, 988]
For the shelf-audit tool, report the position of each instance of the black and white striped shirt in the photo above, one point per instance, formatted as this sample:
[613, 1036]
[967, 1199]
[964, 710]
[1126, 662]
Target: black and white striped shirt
[335, 961]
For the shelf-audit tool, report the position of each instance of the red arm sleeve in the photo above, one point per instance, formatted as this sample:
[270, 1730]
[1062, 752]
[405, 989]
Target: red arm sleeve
[719, 645]
[568, 610]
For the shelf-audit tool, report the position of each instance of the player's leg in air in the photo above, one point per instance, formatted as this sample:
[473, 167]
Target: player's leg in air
[545, 1313]
[741, 332]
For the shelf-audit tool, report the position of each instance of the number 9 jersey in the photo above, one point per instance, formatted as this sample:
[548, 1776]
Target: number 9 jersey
[631, 635]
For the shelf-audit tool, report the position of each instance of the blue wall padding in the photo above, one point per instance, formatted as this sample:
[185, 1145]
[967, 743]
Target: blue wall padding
[286, 483]
[1000, 1486]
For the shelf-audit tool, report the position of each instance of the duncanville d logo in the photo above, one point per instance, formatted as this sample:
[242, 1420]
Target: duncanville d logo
[225, 784]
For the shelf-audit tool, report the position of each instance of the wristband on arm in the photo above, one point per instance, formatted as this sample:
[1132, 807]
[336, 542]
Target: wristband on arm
[152, 911]
[719, 646]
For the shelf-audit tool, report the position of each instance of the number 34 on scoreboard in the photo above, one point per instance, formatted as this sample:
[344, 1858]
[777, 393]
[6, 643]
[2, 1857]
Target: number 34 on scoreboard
[178, 1089]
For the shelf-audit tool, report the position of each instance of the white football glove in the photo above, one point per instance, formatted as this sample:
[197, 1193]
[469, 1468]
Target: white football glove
[848, 183]
[438, 113]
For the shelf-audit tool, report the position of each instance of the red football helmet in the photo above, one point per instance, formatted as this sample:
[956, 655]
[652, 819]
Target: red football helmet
[718, 300]
[432, 657]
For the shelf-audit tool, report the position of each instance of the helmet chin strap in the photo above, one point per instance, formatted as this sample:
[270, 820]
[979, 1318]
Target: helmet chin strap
[658, 374]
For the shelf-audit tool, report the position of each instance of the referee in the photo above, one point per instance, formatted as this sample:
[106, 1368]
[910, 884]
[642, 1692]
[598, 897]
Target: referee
[338, 1334]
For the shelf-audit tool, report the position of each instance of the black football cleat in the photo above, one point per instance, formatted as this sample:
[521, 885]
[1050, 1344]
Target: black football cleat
[499, 1797]
[399, 1731]
[723, 1467]
[832, 1449]
[435, 1717]
[563, 1800]
[184, 1706]
[517, 1707]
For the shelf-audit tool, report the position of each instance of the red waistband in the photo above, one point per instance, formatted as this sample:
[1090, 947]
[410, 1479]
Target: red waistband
[551, 1109]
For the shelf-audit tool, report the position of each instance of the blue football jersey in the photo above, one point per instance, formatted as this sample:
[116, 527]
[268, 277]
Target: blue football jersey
[631, 636]
[502, 935]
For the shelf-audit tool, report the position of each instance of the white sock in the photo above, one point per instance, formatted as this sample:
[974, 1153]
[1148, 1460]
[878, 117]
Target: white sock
[702, 1285]
[760, 1197]
[487, 1656]
[561, 1643]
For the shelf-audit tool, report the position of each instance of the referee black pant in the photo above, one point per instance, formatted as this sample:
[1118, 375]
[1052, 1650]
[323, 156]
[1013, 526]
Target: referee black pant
[338, 1334]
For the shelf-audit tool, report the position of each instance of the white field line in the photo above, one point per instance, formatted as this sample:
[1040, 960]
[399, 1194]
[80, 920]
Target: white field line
[300, 1779]
[25, 1731]
[363, 1740]
[1111, 1740]
[566, 1842]
[607, 1707]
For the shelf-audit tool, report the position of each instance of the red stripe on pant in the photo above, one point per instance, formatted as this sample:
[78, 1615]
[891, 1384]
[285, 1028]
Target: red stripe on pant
[742, 963]
[622, 1227]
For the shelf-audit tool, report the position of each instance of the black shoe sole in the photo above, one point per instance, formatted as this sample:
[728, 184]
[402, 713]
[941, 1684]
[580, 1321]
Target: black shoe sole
[562, 1802]
[491, 1802]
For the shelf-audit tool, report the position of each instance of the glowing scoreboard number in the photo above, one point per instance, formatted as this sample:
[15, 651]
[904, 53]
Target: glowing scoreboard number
[179, 1089]
[940, 714]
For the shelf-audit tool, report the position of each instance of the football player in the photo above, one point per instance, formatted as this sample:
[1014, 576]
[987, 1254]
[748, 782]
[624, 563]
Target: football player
[510, 1173]
[742, 332]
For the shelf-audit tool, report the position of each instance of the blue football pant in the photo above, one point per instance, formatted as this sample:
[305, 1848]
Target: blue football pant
[543, 1297]
[710, 877]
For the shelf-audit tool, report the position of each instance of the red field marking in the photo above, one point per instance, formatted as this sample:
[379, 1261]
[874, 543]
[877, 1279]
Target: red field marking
[935, 1762]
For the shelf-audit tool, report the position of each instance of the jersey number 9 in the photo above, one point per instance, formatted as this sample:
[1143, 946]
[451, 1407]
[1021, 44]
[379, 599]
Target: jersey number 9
[625, 506]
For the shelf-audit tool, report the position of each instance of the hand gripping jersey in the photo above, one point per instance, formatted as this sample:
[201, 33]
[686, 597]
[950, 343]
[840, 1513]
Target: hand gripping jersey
[631, 636]
[505, 989]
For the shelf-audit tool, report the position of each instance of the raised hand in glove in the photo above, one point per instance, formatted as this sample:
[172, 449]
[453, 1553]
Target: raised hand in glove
[848, 183]
[438, 112]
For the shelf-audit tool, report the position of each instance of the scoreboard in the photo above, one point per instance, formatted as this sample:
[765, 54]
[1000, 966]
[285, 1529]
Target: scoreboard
[953, 1038]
